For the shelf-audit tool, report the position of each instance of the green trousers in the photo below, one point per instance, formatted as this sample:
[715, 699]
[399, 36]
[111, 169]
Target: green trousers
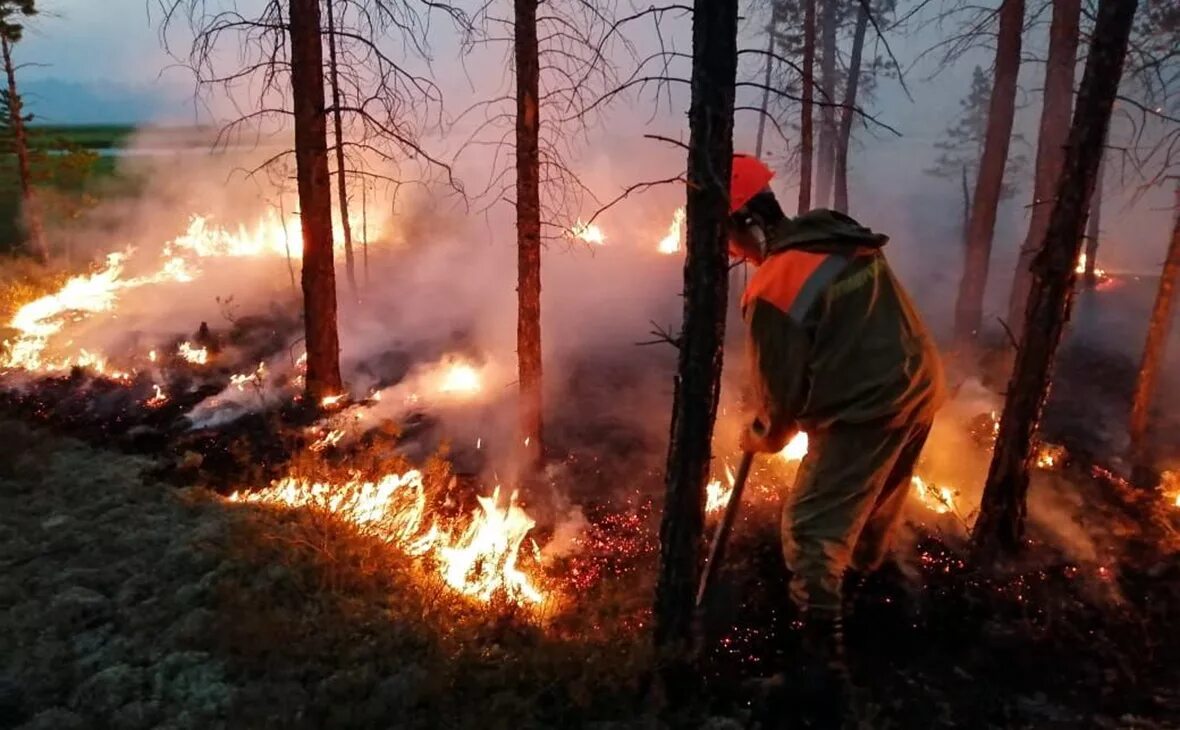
[846, 501]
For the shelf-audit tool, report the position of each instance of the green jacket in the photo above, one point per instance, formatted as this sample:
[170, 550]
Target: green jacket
[833, 336]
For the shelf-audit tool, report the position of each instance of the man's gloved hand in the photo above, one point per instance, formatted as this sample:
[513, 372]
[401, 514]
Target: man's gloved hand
[757, 439]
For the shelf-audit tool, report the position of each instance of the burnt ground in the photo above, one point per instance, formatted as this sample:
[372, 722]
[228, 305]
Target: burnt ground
[133, 597]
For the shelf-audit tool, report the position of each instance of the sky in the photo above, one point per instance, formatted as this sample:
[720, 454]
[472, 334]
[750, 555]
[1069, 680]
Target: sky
[103, 62]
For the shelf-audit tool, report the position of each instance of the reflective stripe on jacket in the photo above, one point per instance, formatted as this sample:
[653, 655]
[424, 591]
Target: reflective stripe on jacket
[833, 337]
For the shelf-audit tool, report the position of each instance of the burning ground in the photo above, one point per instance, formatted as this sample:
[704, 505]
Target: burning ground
[251, 561]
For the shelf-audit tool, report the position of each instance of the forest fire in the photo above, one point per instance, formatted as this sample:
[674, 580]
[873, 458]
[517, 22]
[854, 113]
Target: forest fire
[194, 355]
[589, 233]
[477, 556]
[84, 296]
[670, 243]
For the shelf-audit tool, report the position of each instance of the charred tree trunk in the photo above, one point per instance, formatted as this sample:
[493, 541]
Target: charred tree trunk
[766, 79]
[315, 201]
[825, 161]
[1000, 527]
[698, 379]
[528, 229]
[1001, 111]
[842, 144]
[1157, 338]
[1059, 72]
[1094, 227]
[30, 211]
[807, 108]
[338, 130]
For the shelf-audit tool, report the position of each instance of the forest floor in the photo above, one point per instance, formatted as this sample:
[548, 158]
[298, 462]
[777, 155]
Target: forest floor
[129, 603]
[134, 595]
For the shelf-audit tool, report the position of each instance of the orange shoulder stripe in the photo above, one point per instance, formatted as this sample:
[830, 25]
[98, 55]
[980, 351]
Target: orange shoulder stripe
[780, 279]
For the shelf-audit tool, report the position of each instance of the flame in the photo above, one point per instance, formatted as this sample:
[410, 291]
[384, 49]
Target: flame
[938, 498]
[1081, 267]
[670, 243]
[480, 562]
[331, 400]
[329, 439]
[87, 295]
[795, 449]
[157, 400]
[590, 233]
[460, 378]
[716, 494]
[239, 380]
[1049, 456]
[195, 355]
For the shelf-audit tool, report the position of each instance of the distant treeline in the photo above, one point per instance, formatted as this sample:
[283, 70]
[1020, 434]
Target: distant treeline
[112, 136]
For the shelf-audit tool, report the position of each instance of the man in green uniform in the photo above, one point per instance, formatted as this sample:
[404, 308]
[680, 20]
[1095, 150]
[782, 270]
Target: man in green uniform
[836, 349]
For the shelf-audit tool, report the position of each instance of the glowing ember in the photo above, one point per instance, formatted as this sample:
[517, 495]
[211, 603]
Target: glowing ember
[591, 234]
[152, 355]
[461, 378]
[670, 243]
[1049, 456]
[795, 449]
[157, 400]
[195, 355]
[481, 562]
[938, 498]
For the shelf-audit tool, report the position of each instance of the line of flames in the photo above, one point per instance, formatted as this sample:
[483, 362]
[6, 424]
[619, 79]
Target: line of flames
[477, 557]
[85, 295]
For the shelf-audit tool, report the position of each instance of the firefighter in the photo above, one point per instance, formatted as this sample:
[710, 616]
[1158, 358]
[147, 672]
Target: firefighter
[836, 349]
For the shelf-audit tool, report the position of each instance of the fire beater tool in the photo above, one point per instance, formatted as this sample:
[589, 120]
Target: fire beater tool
[721, 536]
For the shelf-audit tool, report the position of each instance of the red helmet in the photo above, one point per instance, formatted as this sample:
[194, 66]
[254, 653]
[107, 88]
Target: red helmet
[750, 177]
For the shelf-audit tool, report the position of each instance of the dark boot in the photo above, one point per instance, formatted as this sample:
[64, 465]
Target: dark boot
[824, 692]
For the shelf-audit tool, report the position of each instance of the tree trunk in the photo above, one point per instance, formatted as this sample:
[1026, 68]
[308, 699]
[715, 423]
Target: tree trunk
[315, 201]
[807, 108]
[1001, 110]
[365, 228]
[766, 79]
[528, 230]
[338, 129]
[1157, 339]
[698, 379]
[842, 144]
[1094, 227]
[1000, 527]
[1055, 112]
[966, 206]
[827, 112]
[30, 211]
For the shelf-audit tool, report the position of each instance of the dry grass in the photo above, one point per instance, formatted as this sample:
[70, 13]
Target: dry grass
[369, 634]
